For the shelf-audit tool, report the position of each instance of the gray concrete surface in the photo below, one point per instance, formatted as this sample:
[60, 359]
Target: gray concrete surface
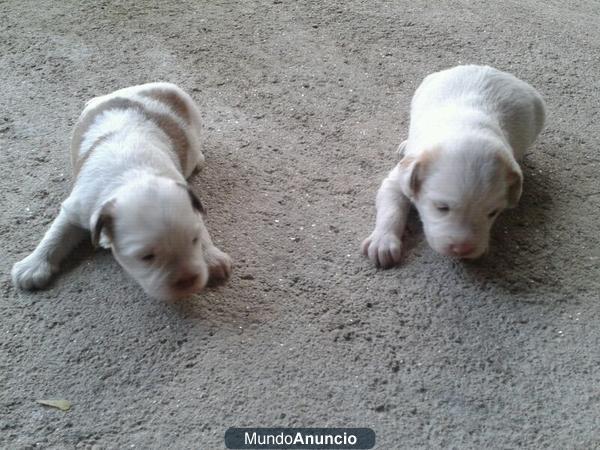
[304, 104]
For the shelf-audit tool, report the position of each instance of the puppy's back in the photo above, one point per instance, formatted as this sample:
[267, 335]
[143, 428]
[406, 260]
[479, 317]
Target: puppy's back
[162, 106]
[516, 105]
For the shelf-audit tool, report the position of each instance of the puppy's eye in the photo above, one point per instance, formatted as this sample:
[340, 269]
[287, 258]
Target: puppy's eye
[148, 258]
[493, 213]
[442, 208]
[195, 240]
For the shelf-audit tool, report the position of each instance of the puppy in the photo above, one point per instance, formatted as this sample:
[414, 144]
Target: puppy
[469, 126]
[132, 151]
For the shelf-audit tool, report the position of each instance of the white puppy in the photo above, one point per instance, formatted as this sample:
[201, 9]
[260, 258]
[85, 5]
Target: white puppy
[468, 127]
[132, 151]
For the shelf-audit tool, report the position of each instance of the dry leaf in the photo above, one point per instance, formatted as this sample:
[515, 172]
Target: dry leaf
[63, 405]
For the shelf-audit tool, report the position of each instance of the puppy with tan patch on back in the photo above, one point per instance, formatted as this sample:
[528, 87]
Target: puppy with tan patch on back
[132, 152]
[469, 126]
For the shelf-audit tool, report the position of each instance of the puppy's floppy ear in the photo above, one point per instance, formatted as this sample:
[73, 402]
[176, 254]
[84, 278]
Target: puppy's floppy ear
[196, 203]
[413, 175]
[103, 220]
[514, 180]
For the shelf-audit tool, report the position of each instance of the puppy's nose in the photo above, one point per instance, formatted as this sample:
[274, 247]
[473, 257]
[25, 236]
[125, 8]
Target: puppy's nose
[186, 282]
[462, 249]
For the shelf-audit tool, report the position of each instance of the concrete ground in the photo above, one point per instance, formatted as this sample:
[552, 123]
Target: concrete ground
[304, 105]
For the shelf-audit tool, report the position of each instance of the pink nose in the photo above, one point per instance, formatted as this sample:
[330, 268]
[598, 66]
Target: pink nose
[462, 249]
[186, 282]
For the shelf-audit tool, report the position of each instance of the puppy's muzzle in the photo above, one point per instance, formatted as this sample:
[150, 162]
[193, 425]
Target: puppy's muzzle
[187, 282]
[462, 249]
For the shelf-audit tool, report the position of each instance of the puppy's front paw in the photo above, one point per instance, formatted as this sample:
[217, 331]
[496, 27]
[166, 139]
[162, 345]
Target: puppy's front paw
[219, 265]
[32, 272]
[385, 250]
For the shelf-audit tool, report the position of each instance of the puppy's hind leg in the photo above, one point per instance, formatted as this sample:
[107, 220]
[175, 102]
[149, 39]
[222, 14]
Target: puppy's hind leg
[36, 270]
[384, 245]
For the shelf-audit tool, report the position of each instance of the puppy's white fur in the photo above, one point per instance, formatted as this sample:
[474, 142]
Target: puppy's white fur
[469, 126]
[132, 151]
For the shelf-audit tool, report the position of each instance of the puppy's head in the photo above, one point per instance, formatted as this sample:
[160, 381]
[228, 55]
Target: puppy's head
[459, 190]
[153, 229]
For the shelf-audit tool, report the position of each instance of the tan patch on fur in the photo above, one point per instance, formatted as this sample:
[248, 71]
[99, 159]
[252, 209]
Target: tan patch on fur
[406, 161]
[425, 158]
[104, 222]
[79, 162]
[171, 99]
[506, 162]
[165, 122]
[420, 167]
[86, 121]
[428, 156]
[176, 134]
[514, 179]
